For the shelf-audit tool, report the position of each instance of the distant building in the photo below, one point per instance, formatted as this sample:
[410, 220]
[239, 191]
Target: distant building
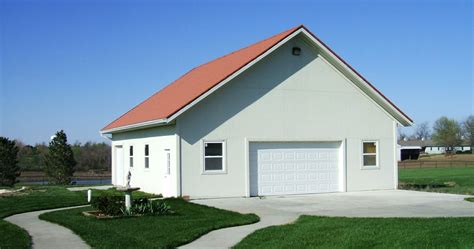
[409, 152]
[430, 147]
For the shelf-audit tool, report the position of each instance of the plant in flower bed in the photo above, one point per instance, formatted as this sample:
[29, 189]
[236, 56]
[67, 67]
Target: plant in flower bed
[144, 206]
[114, 206]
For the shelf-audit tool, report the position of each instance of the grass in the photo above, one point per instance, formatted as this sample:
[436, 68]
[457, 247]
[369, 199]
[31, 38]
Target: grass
[33, 199]
[36, 198]
[12, 236]
[188, 223]
[461, 178]
[342, 232]
[471, 199]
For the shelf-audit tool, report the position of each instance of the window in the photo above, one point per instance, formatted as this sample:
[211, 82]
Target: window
[213, 156]
[369, 154]
[131, 156]
[168, 161]
[147, 156]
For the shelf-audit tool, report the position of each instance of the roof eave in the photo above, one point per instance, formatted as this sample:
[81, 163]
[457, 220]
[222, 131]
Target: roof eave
[137, 126]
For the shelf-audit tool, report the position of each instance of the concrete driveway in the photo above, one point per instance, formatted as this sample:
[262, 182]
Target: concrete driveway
[387, 203]
[286, 209]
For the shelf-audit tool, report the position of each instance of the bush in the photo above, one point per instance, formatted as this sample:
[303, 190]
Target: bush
[109, 204]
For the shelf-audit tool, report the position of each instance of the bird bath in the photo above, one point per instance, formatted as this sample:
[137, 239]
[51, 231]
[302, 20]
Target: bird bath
[128, 191]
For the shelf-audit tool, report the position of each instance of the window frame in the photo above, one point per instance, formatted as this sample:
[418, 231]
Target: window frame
[376, 154]
[224, 156]
[146, 163]
[131, 152]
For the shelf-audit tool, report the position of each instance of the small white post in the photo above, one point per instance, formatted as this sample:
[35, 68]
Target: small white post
[128, 200]
[89, 195]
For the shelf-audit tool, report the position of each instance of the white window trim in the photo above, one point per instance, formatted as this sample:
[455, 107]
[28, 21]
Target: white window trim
[224, 156]
[377, 155]
[145, 157]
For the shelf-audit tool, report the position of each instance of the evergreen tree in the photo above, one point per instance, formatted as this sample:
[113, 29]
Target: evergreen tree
[9, 170]
[60, 161]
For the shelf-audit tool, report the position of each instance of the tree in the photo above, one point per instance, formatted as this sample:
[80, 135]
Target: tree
[60, 160]
[468, 130]
[422, 131]
[447, 132]
[9, 169]
[401, 135]
[92, 156]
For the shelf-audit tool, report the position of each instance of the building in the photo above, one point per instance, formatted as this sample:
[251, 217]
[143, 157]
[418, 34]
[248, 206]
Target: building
[430, 147]
[283, 116]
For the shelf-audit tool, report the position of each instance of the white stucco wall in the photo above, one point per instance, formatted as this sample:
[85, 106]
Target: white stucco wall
[154, 179]
[285, 98]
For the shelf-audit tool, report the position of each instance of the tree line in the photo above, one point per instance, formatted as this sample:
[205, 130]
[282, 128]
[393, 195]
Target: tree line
[89, 156]
[445, 131]
[59, 160]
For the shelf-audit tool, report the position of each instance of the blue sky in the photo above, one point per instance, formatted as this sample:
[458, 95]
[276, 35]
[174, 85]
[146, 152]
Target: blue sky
[77, 65]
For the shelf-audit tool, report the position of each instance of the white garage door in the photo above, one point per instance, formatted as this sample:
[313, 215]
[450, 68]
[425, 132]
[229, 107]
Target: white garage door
[294, 168]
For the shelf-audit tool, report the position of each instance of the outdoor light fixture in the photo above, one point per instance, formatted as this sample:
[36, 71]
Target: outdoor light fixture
[296, 51]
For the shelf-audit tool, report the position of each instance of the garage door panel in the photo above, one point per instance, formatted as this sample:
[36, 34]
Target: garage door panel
[294, 168]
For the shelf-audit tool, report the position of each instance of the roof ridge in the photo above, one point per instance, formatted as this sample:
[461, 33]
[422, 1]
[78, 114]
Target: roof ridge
[255, 43]
[231, 53]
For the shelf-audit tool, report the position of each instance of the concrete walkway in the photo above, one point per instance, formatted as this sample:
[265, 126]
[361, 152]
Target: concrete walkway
[46, 235]
[286, 209]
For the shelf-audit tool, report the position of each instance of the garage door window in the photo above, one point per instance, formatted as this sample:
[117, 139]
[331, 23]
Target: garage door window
[214, 156]
[369, 154]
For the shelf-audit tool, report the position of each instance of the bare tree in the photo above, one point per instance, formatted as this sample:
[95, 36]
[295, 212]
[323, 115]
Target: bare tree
[401, 135]
[422, 131]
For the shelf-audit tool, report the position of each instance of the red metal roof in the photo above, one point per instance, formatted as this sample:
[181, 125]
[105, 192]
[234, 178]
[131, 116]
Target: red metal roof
[199, 80]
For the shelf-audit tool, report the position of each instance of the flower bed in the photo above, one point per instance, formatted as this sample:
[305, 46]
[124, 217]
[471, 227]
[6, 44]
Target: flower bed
[113, 206]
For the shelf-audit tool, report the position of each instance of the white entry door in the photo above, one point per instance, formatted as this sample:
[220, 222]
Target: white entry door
[167, 181]
[119, 166]
[294, 168]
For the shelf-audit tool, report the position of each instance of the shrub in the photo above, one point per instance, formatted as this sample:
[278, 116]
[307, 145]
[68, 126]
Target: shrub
[109, 204]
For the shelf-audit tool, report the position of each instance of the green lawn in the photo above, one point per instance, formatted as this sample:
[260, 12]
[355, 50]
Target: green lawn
[35, 198]
[12, 236]
[341, 232]
[188, 223]
[462, 178]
